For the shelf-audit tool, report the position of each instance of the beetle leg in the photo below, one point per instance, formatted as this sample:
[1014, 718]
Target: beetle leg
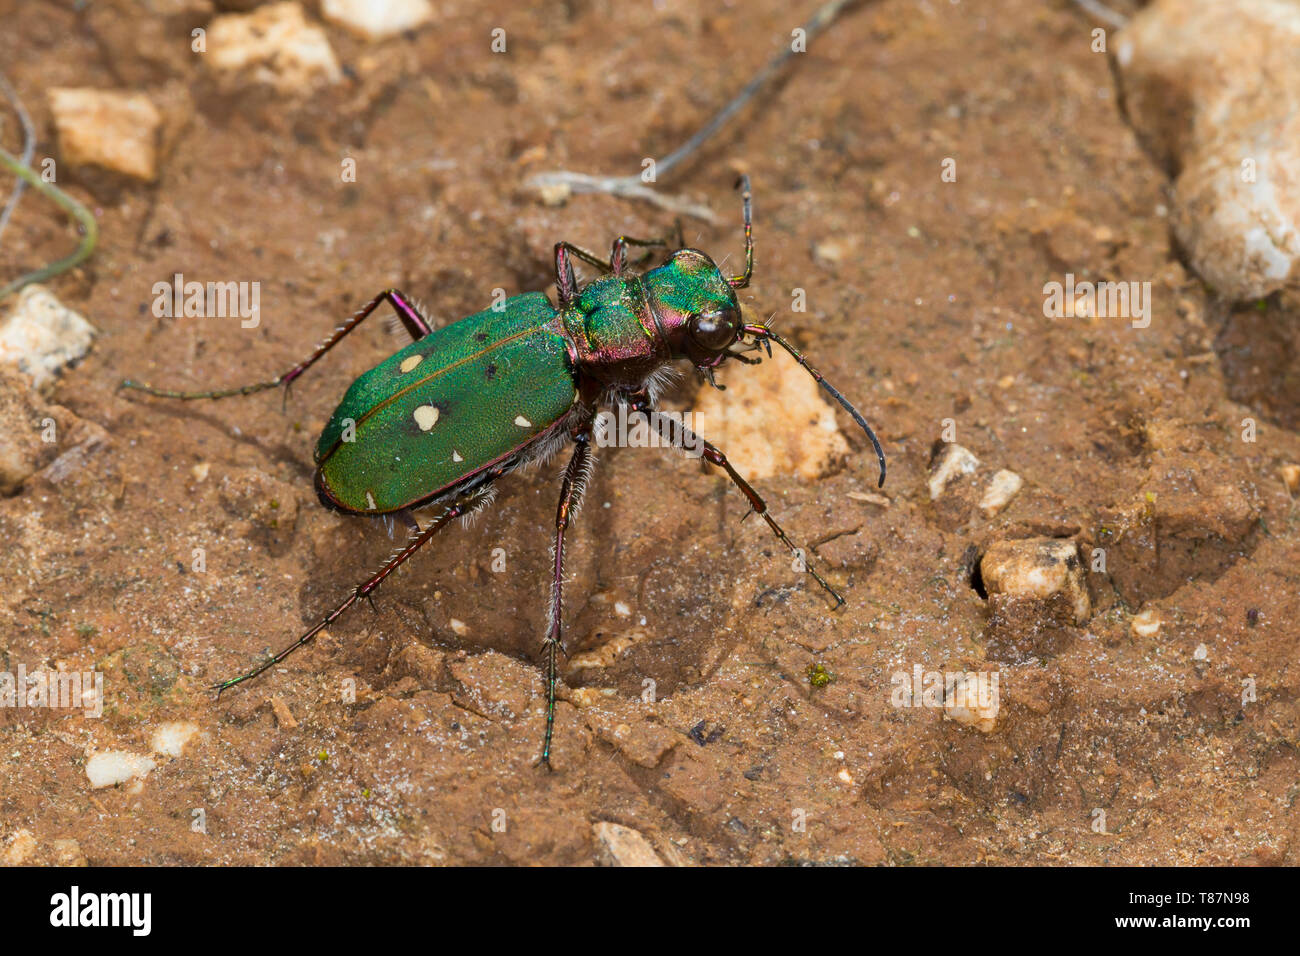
[460, 506]
[618, 256]
[714, 456]
[571, 488]
[566, 284]
[406, 312]
[617, 260]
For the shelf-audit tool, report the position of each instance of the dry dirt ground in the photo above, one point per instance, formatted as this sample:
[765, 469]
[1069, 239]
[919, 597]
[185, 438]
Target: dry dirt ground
[925, 303]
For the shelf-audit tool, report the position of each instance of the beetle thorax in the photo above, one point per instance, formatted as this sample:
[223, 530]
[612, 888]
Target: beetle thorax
[614, 334]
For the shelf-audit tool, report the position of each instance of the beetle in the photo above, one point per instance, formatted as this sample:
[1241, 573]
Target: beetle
[440, 421]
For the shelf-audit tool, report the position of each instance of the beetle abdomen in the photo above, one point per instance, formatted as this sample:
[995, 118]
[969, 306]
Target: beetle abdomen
[459, 399]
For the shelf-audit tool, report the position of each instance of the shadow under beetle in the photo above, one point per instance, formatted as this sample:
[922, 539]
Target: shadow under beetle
[440, 421]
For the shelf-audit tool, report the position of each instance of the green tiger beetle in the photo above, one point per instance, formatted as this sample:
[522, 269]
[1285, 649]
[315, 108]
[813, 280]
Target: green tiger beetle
[438, 422]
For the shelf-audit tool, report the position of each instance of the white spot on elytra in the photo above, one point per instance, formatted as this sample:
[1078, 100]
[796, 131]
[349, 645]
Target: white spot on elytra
[523, 422]
[426, 416]
[370, 501]
[411, 361]
[455, 455]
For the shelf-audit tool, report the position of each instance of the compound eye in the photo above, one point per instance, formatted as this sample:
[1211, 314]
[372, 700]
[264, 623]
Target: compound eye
[716, 330]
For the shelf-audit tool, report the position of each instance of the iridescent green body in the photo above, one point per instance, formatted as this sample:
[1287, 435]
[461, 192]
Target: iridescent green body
[447, 406]
[481, 391]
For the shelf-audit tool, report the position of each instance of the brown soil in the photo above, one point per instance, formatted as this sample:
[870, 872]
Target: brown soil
[925, 303]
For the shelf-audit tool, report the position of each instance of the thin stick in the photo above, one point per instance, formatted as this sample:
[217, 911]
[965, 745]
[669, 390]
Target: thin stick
[632, 187]
[74, 209]
[1103, 12]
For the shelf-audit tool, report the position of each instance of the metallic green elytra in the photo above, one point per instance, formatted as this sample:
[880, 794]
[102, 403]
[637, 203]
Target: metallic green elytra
[440, 421]
[448, 405]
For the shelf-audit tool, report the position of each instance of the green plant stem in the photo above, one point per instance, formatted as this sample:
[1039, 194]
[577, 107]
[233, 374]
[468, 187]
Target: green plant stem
[73, 208]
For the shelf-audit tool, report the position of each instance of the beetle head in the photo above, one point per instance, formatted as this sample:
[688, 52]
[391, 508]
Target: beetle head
[696, 304]
[696, 307]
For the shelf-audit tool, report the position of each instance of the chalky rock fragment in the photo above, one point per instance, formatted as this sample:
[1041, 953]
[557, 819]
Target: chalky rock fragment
[41, 335]
[618, 845]
[377, 19]
[1212, 88]
[110, 129]
[273, 44]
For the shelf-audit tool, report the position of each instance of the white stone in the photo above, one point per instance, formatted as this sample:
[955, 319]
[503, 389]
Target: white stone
[41, 335]
[952, 462]
[1213, 89]
[274, 44]
[622, 846]
[1146, 624]
[108, 768]
[21, 848]
[1002, 488]
[1037, 568]
[170, 738]
[973, 705]
[107, 128]
[376, 19]
[1202, 653]
[773, 419]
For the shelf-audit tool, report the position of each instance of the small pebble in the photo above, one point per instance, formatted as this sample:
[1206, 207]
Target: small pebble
[590, 696]
[41, 335]
[1201, 653]
[967, 707]
[773, 419]
[21, 848]
[170, 739]
[283, 715]
[617, 845]
[1002, 488]
[1146, 624]
[108, 768]
[107, 128]
[68, 853]
[952, 462]
[377, 19]
[555, 194]
[274, 44]
[1037, 568]
[459, 627]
